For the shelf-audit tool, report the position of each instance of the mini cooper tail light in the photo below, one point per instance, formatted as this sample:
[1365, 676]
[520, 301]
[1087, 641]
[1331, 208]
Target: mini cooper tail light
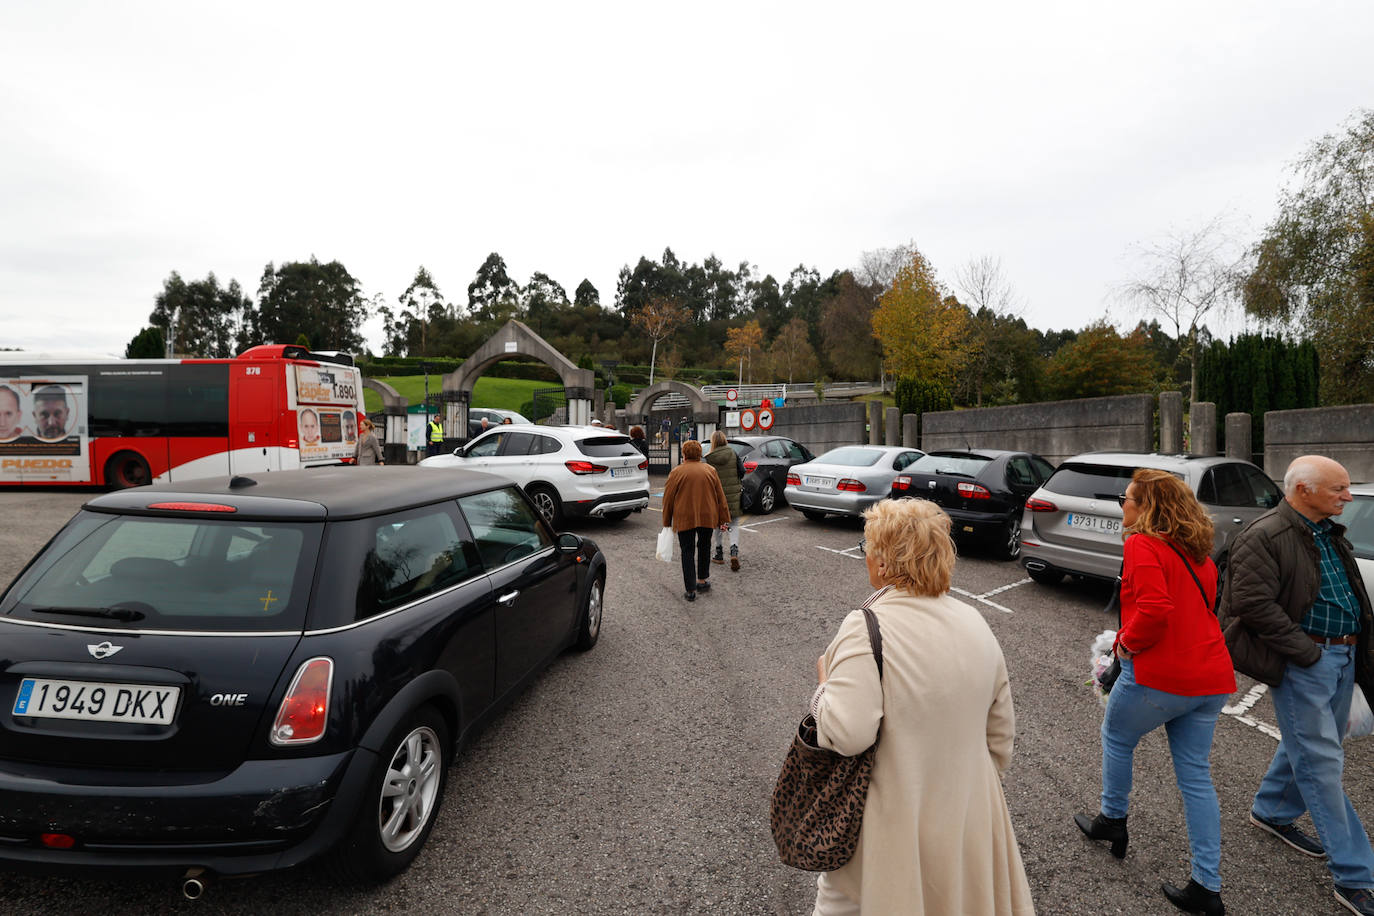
[974, 491]
[850, 485]
[793, 480]
[1041, 505]
[304, 710]
[749, 466]
[585, 467]
[901, 482]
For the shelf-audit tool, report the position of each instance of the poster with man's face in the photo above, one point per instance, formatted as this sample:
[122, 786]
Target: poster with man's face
[43, 431]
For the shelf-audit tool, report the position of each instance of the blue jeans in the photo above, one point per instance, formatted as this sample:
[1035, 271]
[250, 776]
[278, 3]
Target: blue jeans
[1133, 711]
[1312, 705]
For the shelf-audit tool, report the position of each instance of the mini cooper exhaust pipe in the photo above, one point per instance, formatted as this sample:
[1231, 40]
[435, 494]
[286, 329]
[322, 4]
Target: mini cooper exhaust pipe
[194, 883]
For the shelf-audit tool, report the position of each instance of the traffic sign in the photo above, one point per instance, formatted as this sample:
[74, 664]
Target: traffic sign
[747, 419]
[731, 396]
[765, 419]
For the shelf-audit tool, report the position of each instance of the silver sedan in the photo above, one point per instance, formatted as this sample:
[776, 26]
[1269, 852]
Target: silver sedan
[846, 480]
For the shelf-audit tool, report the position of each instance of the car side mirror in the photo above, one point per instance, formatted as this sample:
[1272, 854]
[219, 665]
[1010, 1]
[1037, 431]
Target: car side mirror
[568, 543]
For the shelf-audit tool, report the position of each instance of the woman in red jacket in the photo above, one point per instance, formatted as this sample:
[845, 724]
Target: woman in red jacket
[1175, 672]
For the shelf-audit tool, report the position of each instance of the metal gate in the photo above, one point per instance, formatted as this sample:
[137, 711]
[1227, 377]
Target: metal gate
[547, 402]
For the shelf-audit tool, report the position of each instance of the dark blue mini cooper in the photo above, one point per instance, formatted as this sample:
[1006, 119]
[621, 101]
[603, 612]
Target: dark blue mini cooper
[232, 676]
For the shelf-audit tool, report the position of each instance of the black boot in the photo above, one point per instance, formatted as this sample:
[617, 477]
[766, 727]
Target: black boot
[1195, 899]
[1105, 828]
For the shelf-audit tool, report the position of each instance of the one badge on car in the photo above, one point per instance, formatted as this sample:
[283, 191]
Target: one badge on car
[104, 650]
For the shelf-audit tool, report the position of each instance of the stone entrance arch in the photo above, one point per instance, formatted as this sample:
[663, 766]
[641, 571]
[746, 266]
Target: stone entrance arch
[394, 421]
[514, 339]
[705, 412]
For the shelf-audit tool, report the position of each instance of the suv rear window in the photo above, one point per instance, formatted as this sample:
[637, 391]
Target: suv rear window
[184, 574]
[608, 447]
[1092, 481]
[964, 465]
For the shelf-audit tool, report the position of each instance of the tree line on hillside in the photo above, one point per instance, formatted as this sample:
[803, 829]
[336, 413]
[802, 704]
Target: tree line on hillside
[1309, 278]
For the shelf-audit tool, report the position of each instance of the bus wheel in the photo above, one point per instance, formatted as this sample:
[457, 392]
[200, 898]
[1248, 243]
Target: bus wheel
[127, 469]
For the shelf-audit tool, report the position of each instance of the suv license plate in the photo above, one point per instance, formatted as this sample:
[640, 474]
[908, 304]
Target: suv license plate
[622, 472]
[146, 704]
[1093, 523]
[819, 481]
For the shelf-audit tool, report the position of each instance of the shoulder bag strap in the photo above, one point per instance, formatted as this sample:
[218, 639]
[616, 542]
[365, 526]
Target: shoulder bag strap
[1189, 566]
[875, 639]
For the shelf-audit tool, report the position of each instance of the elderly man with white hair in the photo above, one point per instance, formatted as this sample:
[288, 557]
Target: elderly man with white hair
[1297, 617]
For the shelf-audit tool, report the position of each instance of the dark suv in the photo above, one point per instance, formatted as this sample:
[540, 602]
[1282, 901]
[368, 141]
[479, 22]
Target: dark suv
[233, 676]
[1072, 524]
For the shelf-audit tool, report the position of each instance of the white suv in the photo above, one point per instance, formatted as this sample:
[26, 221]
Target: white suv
[566, 470]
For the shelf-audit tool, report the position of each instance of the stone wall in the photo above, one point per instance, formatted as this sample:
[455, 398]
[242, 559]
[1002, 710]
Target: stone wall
[819, 427]
[1054, 429]
[1343, 433]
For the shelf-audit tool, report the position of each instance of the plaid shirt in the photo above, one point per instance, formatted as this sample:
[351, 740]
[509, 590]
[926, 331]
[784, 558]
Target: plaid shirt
[1336, 612]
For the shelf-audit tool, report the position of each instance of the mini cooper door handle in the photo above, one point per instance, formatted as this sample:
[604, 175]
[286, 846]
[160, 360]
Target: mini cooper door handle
[507, 599]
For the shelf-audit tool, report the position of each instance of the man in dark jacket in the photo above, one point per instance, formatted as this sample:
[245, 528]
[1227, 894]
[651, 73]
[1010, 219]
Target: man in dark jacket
[1297, 617]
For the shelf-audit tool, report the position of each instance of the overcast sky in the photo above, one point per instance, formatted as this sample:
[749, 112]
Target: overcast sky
[139, 138]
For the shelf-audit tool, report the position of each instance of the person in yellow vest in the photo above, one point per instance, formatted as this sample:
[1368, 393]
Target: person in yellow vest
[436, 436]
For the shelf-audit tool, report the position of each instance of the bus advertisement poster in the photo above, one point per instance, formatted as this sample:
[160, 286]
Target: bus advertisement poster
[335, 385]
[43, 428]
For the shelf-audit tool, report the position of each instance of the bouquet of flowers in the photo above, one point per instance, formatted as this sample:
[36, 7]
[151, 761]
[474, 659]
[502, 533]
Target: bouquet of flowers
[1105, 665]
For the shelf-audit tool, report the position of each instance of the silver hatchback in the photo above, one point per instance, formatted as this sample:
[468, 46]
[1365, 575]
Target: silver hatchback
[1072, 525]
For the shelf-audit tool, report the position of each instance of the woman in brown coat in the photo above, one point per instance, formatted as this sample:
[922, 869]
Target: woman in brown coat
[693, 504]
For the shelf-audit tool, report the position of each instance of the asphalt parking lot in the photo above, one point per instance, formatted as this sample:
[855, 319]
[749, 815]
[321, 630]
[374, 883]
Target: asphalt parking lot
[635, 779]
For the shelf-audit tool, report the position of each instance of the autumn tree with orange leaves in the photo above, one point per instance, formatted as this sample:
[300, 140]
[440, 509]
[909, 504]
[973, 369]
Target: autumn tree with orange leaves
[740, 344]
[924, 331]
[658, 318]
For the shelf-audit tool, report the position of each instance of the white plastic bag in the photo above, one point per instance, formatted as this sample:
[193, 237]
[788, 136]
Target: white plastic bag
[664, 550]
[1361, 721]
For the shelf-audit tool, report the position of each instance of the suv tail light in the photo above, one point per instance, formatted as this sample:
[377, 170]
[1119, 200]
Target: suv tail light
[644, 465]
[584, 467]
[1041, 505]
[850, 485]
[793, 480]
[304, 710]
[901, 482]
[749, 466]
[973, 491]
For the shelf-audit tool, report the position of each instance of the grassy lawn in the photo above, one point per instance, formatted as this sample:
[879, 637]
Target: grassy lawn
[501, 393]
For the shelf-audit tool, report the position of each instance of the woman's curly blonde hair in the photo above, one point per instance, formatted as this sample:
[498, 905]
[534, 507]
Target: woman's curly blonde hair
[911, 538]
[1168, 509]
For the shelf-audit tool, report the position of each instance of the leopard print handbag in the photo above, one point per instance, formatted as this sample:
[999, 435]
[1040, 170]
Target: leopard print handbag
[818, 803]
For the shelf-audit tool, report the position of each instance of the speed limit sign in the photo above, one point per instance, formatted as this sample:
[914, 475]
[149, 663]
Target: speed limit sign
[765, 419]
[747, 419]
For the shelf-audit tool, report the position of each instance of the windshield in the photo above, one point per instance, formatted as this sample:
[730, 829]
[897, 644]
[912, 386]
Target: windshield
[1094, 481]
[852, 456]
[171, 574]
[608, 447]
[1358, 518]
[964, 465]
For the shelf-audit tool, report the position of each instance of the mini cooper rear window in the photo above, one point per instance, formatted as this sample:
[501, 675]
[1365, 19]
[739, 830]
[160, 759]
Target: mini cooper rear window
[172, 574]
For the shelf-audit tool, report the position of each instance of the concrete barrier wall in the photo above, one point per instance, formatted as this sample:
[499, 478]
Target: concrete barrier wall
[1054, 429]
[819, 427]
[1343, 433]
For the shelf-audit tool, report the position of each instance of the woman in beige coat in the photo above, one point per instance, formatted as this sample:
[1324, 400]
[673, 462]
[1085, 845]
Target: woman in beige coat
[937, 837]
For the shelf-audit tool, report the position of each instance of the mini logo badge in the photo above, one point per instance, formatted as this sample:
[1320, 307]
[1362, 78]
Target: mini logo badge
[104, 650]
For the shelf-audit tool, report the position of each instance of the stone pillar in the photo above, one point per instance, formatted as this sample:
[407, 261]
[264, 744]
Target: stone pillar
[579, 411]
[704, 431]
[892, 426]
[394, 436]
[598, 403]
[1238, 437]
[1171, 422]
[911, 423]
[1202, 423]
[875, 422]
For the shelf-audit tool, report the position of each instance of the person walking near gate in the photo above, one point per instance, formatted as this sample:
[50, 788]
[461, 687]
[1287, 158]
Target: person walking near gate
[693, 504]
[1296, 616]
[436, 436]
[723, 458]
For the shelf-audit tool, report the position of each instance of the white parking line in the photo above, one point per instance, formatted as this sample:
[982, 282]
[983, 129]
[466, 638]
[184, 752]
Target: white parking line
[752, 525]
[982, 600]
[998, 591]
[843, 553]
[1241, 711]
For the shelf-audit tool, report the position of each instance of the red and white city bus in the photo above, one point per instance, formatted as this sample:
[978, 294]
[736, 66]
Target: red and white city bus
[125, 422]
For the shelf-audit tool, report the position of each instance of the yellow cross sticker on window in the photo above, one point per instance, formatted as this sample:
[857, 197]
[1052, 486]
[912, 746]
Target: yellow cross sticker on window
[267, 601]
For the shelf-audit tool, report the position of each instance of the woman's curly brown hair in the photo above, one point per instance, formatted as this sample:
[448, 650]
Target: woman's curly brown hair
[1168, 509]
